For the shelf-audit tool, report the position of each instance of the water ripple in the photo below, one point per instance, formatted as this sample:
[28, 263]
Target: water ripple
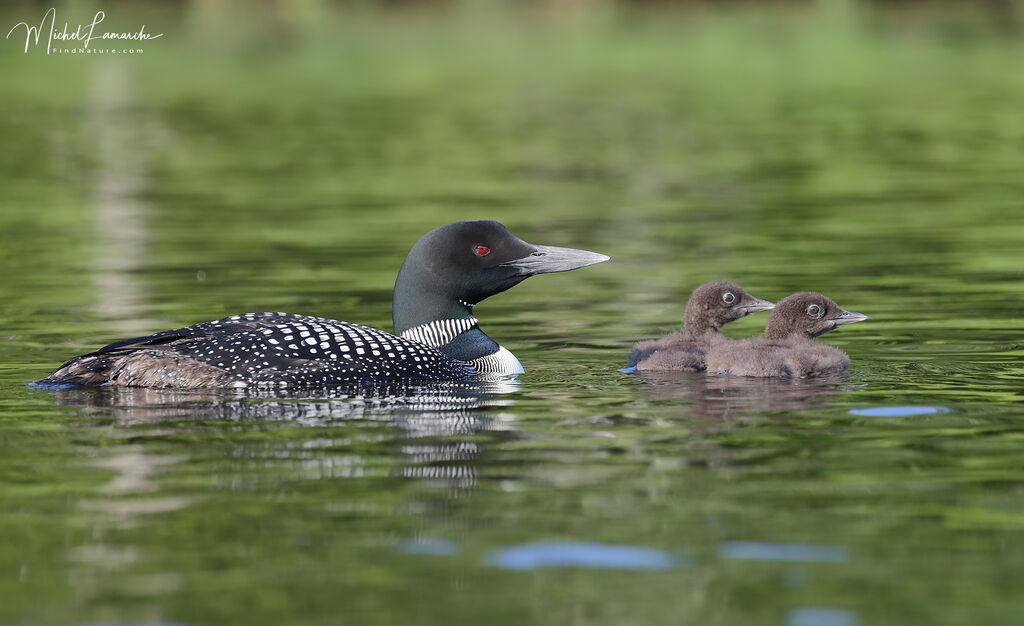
[899, 411]
[581, 554]
[806, 616]
[767, 551]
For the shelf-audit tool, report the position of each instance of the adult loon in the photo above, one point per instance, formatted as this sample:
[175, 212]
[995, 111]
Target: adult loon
[710, 306]
[787, 349]
[447, 272]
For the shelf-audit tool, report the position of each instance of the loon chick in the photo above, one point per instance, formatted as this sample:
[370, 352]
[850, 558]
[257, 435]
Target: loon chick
[710, 306]
[787, 349]
[447, 272]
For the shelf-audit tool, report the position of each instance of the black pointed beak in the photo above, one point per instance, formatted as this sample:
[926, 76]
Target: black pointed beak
[548, 259]
[759, 305]
[848, 317]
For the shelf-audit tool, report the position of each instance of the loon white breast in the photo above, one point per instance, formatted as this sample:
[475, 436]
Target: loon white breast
[439, 333]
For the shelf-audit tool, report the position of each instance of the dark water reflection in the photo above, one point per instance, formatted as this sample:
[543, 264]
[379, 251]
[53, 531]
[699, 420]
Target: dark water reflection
[420, 409]
[426, 423]
[738, 396]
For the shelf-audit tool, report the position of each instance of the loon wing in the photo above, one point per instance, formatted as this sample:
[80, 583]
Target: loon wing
[222, 327]
[261, 349]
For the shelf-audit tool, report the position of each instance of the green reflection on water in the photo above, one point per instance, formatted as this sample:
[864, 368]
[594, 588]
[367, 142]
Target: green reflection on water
[288, 162]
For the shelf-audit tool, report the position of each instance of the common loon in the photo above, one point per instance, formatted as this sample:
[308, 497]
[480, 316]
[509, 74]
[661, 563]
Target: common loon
[710, 306]
[447, 272]
[787, 349]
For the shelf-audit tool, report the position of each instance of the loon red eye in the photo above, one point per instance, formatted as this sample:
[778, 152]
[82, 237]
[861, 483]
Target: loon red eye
[482, 250]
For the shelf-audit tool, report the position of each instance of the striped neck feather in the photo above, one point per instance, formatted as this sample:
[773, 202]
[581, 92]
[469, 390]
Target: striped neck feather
[439, 332]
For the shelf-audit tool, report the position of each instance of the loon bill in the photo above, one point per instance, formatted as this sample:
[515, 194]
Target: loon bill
[447, 272]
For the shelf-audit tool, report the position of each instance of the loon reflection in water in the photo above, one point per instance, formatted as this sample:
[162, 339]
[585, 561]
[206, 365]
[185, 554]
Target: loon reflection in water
[738, 397]
[427, 422]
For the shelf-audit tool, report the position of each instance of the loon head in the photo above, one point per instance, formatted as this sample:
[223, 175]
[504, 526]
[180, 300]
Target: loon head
[452, 268]
[716, 303]
[807, 314]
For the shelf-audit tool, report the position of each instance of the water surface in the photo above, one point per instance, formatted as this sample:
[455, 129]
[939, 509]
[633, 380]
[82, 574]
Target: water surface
[291, 163]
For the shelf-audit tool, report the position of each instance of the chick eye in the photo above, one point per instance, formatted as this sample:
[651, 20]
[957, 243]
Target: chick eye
[481, 250]
[728, 297]
[815, 311]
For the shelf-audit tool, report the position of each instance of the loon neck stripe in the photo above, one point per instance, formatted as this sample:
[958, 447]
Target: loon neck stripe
[439, 332]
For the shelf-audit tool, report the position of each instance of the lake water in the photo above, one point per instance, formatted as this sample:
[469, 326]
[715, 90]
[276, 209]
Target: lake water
[287, 162]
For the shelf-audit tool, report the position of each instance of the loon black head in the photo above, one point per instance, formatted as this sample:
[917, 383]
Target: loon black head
[807, 314]
[452, 268]
[717, 303]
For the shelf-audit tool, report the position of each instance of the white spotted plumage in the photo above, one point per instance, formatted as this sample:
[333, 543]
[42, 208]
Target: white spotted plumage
[281, 349]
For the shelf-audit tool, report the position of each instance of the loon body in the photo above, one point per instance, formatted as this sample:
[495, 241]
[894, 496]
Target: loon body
[447, 272]
[711, 306]
[787, 349]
